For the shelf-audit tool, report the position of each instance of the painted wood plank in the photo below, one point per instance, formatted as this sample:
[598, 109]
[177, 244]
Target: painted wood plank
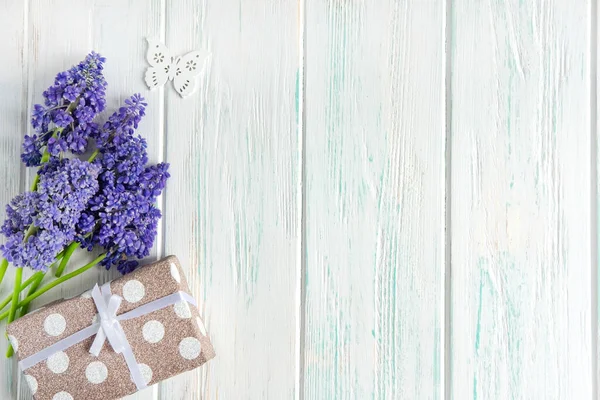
[375, 184]
[13, 121]
[595, 203]
[231, 209]
[521, 318]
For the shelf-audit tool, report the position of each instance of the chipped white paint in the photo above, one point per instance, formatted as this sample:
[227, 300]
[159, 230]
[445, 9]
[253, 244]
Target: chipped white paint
[353, 117]
[231, 212]
[520, 200]
[375, 142]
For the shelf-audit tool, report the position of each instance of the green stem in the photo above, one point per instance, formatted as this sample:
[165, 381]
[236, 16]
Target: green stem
[3, 268]
[23, 286]
[45, 159]
[29, 281]
[15, 300]
[31, 291]
[36, 279]
[56, 282]
[30, 231]
[25, 309]
[93, 156]
[46, 155]
[58, 257]
[15, 295]
[36, 179]
[68, 253]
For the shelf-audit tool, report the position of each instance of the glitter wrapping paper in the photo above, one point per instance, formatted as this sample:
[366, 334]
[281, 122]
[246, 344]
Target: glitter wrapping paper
[165, 342]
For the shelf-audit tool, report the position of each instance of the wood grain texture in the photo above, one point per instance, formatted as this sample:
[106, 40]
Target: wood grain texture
[231, 211]
[374, 200]
[13, 121]
[595, 203]
[521, 318]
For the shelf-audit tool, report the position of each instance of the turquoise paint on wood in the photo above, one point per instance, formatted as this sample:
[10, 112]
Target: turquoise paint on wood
[375, 212]
[520, 201]
[236, 141]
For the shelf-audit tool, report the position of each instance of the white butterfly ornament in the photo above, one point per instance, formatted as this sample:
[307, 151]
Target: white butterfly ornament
[181, 70]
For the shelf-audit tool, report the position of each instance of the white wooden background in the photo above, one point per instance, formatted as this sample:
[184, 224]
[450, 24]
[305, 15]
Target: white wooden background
[372, 199]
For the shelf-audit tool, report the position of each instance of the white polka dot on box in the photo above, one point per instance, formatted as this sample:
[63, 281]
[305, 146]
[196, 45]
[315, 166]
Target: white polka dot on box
[145, 327]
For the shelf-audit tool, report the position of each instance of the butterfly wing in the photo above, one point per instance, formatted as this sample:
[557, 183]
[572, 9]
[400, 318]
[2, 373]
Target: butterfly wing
[156, 76]
[191, 64]
[184, 85]
[185, 71]
[158, 55]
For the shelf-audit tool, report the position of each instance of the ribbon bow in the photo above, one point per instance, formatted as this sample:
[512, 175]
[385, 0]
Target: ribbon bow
[110, 329]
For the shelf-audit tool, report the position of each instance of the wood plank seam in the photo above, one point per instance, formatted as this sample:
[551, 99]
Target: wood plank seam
[594, 192]
[23, 181]
[445, 375]
[302, 267]
[161, 237]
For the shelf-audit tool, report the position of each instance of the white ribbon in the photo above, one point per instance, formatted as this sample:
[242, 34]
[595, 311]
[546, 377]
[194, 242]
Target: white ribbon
[109, 328]
[109, 325]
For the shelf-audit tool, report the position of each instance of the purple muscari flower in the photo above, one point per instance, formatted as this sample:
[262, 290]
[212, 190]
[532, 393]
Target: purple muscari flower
[52, 96]
[37, 251]
[73, 101]
[32, 154]
[122, 217]
[154, 179]
[123, 122]
[124, 207]
[68, 185]
[71, 92]
[77, 139]
[56, 146]
[40, 118]
[86, 223]
[19, 213]
[127, 266]
[85, 114]
[63, 78]
[64, 189]
[61, 118]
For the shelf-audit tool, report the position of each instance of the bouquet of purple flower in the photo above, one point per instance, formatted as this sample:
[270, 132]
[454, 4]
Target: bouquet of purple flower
[107, 201]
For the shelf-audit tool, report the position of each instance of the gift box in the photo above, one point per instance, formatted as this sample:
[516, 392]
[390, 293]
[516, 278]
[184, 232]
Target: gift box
[113, 340]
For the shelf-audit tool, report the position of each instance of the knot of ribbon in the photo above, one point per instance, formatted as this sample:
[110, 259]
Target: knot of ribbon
[110, 328]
